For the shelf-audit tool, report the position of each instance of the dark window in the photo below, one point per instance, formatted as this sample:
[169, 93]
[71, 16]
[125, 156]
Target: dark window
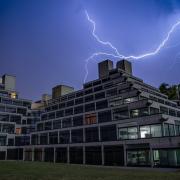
[62, 105]
[55, 107]
[101, 104]
[163, 110]
[89, 107]
[120, 113]
[78, 110]
[89, 98]
[21, 111]
[95, 83]
[53, 138]
[59, 114]
[154, 110]
[100, 95]
[91, 134]
[77, 135]
[40, 127]
[104, 116]
[66, 123]
[108, 133]
[70, 103]
[16, 119]
[34, 139]
[79, 94]
[51, 115]
[88, 85]
[111, 92]
[88, 91]
[98, 88]
[8, 128]
[57, 124]
[44, 138]
[4, 117]
[64, 137]
[48, 125]
[172, 112]
[44, 117]
[77, 120]
[79, 101]
[69, 112]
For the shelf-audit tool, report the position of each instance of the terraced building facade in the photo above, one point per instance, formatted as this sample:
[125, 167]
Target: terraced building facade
[114, 120]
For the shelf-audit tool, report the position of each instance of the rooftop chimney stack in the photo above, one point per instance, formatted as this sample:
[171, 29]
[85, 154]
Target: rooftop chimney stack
[125, 66]
[104, 67]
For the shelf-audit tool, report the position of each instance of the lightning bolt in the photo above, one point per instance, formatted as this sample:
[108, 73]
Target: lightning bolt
[116, 52]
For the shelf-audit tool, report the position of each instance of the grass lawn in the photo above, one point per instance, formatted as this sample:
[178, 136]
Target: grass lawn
[43, 171]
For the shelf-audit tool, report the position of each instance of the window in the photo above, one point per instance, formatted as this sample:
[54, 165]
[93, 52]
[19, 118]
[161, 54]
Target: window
[98, 88]
[128, 133]
[44, 117]
[69, 112]
[66, 123]
[8, 128]
[104, 116]
[156, 130]
[59, 114]
[154, 110]
[53, 138]
[40, 127]
[78, 110]
[151, 131]
[4, 117]
[169, 129]
[79, 94]
[57, 124]
[34, 139]
[145, 132]
[16, 119]
[55, 107]
[163, 110]
[62, 105]
[101, 104]
[130, 100]
[77, 120]
[92, 134]
[64, 137]
[108, 133]
[48, 125]
[100, 95]
[51, 115]
[79, 101]
[77, 136]
[3, 140]
[88, 91]
[111, 92]
[21, 111]
[115, 102]
[139, 112]
[43, 138]
[90, 119]
[11, 109]
[70, 103]
[120, 113]
[172, 112]
[89, 98]
[89, 107]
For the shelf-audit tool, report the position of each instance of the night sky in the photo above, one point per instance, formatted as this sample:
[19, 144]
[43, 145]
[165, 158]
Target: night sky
[46, 42]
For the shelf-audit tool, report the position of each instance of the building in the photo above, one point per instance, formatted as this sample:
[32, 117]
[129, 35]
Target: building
[114, 120]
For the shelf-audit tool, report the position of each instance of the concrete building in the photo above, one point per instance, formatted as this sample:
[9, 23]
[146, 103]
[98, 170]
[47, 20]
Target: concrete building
[116, 119]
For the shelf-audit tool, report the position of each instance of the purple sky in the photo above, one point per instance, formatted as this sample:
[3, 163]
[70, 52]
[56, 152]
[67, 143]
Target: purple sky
[46, 42]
